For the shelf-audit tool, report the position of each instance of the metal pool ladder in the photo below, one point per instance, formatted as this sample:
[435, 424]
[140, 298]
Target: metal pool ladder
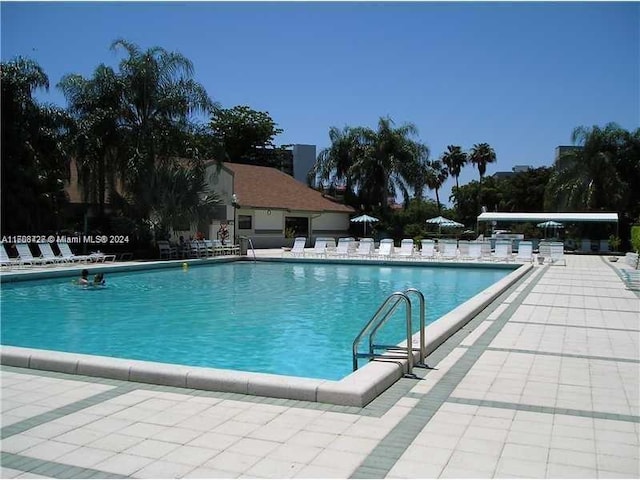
[251, 245]
[384, 312]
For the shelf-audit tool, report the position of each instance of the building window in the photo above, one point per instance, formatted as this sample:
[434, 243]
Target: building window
[244, 222]
[298, 226]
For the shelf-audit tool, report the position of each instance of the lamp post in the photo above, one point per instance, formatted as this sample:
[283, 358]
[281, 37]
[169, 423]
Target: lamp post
[234, 202]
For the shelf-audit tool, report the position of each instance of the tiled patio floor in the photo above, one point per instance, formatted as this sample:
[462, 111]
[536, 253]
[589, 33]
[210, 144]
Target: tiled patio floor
[544, 383]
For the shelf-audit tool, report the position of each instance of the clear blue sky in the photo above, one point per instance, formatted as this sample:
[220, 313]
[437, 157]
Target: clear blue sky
[520, 77]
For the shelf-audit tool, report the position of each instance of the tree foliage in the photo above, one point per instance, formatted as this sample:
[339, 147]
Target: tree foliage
[241, 130]
[374, 164]
[34, 159]
[134, 125]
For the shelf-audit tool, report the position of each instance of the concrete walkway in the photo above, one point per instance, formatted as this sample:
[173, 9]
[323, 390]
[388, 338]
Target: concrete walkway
[544, 383]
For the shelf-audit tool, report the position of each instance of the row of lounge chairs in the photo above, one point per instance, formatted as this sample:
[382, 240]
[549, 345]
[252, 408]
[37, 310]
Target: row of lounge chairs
[430, 250]
[196, 249]
[26, 258]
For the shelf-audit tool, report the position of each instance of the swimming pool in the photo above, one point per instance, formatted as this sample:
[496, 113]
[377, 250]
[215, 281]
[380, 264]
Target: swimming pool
[294, 319]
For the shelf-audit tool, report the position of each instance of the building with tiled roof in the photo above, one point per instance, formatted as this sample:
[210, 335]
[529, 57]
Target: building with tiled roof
[271, 205]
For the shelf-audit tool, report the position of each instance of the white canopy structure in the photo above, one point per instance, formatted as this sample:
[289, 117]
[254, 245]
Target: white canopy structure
[546, 216]
[564, 217]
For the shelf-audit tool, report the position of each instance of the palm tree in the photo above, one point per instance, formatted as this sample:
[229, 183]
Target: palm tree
[454, 159]
[588, 178]
[436, 175]
[481, 155]
[334, 163]
[95, 104]
[34, 162]
[175, 193]
[159, 97]
[388, 162]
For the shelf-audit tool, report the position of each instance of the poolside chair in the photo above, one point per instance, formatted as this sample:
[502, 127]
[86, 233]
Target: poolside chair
[365, 248]
[475, 251]
[47, 253]
[525, 252]
[406, 248]
[449, 249]
[385, 250]
[298, 246]
[343, 247]
[556, 250]
[216, 246]
[6, 261]
[166, 250]
[320, 247]
[25, 255]
[485, 249]
[502, 253]
[66, 253]
[428, 250]
[463, 249]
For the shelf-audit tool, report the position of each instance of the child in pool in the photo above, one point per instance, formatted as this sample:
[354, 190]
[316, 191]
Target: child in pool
[84, 280]
[98, 280]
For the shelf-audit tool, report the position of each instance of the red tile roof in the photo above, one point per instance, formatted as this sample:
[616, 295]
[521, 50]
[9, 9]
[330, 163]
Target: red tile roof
[266, 187]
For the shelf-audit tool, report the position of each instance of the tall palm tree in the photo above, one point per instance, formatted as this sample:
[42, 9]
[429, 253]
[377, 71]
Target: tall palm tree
[454, 159]
[588, 178]
[481, 155]
[159, 97]
[437, 174]
[95, 104]
[334, 163]
[388, 161]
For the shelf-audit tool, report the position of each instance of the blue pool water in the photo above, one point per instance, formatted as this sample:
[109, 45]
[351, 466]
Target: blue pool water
[283, 318]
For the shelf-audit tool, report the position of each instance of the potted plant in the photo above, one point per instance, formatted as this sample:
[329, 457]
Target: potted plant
[289, 235]
[614, 243]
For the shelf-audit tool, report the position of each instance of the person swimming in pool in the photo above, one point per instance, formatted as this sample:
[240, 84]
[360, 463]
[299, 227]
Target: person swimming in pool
[99, 280]
[84, 280]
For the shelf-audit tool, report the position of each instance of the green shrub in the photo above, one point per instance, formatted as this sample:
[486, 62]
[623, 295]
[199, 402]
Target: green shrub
[635, 238]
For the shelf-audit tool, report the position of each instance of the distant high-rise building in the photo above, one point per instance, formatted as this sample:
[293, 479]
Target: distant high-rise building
[514, 170]
[304, 157]
[563, 149]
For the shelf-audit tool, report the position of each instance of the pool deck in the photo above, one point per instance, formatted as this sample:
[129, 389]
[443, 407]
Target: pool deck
[543, 383]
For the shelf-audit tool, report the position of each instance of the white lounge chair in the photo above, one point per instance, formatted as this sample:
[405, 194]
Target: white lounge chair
[502, 253]
[320, 247]
[485, 249]
[47, 253]
[6, 260]
[525, 252]
[475, 251]
[343, 247]
[463, 249]
[427, 250]
[449, 249]
[298, 246]
[386, 248]
[556, 250]
[67, 254]
[365, 248]
[406, 248]
[27, 257]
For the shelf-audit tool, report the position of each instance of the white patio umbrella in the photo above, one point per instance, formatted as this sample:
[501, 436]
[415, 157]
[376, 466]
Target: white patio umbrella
[550, 224]
[365, 219]
[444, 222]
